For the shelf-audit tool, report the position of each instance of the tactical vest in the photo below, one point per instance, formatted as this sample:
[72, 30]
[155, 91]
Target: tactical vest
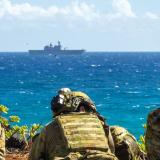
[152, 137]
[81, 131]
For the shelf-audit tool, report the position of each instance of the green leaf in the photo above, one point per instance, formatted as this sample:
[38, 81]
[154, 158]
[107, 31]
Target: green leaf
[145, 126]
[4, 121]
[14, 119]
[3, 109]
[34, 129]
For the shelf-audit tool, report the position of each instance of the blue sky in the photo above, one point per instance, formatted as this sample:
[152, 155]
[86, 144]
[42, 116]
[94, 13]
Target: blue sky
[95, 25]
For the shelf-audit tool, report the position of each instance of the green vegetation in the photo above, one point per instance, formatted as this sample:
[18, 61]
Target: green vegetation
[141, 141]
[25, 133]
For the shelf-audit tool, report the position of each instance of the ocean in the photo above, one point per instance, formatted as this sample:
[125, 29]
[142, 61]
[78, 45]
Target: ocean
[124, 86]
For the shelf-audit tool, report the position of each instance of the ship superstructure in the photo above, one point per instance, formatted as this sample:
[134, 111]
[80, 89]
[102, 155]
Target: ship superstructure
[56, 50]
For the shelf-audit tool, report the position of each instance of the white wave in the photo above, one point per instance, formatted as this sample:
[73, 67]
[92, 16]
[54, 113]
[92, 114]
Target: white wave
[110, 70]
[38, 72]
[148, 107]
[22, 92]
[95, 65]
[21, 82]
[31, 93]
[70, 69]
[133, 92]
[136, 106]
[99, 105]
[90, 74]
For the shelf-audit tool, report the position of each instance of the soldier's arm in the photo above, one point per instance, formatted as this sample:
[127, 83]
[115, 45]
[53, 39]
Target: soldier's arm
[37, 151]
[2, 144]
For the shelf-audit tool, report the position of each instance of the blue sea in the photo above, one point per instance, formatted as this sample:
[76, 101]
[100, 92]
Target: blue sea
[124, 86]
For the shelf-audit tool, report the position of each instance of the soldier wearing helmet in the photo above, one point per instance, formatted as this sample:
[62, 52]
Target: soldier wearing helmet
[77, 132]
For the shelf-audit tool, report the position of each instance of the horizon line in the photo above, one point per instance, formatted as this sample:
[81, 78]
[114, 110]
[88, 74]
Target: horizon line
[125, 51]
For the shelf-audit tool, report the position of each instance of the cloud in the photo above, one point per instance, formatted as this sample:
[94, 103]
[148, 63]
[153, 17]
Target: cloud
[75, 11]
[123, 8]
[151, 15]
[27, 11]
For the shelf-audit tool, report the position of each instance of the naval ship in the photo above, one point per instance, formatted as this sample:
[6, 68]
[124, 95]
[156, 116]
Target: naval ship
[56, 50]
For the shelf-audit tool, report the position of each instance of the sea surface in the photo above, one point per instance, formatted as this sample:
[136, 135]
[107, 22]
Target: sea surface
[124, 86]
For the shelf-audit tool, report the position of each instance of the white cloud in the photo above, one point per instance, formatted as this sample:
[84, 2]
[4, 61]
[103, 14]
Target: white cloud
[152, 15]
[123, 8]
[76, 11]
[27, 11]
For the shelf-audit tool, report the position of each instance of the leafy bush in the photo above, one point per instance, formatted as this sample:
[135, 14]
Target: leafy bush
[23, 133]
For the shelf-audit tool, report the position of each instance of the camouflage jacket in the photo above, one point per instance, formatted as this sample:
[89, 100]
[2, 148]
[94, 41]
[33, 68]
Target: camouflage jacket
[49, 145]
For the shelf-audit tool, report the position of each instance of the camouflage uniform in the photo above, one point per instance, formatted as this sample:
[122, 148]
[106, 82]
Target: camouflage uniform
[73, 135]
[152, 137]
[2, 143]
[50, 145]
[126, 147]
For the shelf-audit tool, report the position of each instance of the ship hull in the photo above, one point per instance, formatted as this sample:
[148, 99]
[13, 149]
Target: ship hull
[61, 52]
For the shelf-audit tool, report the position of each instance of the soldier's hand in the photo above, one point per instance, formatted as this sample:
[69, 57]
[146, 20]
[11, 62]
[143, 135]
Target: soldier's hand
[99, 155]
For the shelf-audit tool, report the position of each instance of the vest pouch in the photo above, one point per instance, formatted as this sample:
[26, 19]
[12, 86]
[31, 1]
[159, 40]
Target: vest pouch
[81, 131]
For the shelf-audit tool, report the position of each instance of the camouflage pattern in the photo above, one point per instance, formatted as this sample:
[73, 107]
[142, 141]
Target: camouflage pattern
[73, 99]
[69, 101]
[82, 131]
[50, 145]
[152, 137]
[75, 134]
[126, 147]
[64, 90]
[2, 143]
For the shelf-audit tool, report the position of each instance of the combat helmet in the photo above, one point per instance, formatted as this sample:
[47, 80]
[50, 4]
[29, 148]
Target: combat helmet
[152, 137]
[69, 101]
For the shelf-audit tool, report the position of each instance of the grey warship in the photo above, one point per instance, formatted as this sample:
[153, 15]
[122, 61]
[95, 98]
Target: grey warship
[56, 50]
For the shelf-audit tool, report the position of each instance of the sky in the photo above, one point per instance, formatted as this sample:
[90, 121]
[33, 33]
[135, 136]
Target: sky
[94, 25]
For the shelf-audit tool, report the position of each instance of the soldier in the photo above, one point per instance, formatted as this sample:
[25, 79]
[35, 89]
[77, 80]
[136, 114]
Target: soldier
[126, 147]
[77, 132]
[152, 137]
[2, 143]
